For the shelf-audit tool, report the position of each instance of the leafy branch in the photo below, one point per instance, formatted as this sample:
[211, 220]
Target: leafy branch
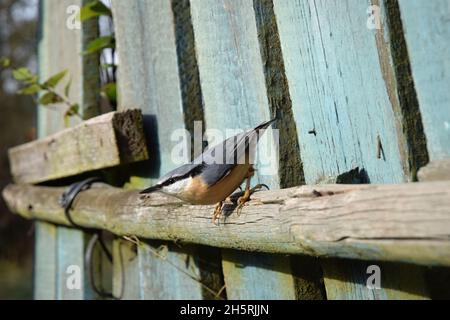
[46, 91]
[48, 95]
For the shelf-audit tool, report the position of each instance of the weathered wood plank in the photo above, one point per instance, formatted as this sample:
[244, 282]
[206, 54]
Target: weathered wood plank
[404, 222]
[105, 141]
[338, 89]
[59, 49]
[345, 96]
[235, 95]
[149, 79]
[427, 37]
[427, 34]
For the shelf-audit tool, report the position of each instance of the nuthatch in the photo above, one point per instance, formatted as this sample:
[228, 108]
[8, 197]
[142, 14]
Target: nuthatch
[216, 173]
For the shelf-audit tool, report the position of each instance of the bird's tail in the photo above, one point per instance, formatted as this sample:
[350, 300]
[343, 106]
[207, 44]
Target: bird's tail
[266, 124]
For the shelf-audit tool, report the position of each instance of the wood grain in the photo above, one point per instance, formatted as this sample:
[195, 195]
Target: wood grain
[105, 141]
[404, 222]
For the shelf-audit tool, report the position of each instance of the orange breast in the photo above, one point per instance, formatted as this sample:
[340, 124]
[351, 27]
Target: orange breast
[199, 193]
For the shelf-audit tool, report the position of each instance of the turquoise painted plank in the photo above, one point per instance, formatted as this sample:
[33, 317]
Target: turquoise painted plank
[45, 261]
[346, 107]
[149, 79]
[159, 261]
[70, 263]
[395, 283]
[59, 49]
[427, 33]
[244, 273]
[235, 97]
[337, 88]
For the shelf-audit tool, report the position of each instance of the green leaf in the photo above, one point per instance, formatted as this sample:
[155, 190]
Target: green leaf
[54, 80]
[94, 9]
[110, 91]
[99, 44]
[67, 88]
[73, 110]
[22, 74]
[5, 62]
[33, 89]
[50, 98]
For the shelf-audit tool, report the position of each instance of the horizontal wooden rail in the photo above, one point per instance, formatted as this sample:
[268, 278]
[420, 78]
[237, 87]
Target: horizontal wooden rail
[404, 222]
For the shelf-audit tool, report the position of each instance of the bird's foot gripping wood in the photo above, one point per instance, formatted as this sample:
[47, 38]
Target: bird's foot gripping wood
[246, 196]
[217, 212]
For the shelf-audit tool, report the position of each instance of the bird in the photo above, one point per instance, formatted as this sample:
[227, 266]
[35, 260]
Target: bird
[214, 175]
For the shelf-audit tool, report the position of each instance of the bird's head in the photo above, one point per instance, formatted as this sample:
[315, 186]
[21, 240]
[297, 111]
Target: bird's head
[174, 183]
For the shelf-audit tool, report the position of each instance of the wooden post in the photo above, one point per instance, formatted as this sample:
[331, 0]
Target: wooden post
[346, 104]
[60, 48]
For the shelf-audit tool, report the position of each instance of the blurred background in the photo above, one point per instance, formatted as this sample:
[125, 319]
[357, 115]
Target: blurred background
[18, 39]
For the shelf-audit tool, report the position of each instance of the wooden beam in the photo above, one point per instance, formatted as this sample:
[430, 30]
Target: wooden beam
[104, 141]
[404, 222]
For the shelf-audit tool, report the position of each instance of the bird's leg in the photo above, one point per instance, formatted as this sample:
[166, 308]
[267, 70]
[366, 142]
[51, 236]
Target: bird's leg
[217, 211]
[244, 198]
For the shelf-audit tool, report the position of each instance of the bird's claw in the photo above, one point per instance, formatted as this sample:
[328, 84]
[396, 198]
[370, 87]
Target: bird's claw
[246, 197]
[217, 212]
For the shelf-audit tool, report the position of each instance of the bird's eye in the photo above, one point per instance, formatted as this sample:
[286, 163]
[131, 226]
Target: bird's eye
[171, 180]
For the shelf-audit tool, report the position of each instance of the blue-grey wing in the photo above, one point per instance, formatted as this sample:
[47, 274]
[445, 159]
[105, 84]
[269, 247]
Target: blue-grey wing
[212, 173]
